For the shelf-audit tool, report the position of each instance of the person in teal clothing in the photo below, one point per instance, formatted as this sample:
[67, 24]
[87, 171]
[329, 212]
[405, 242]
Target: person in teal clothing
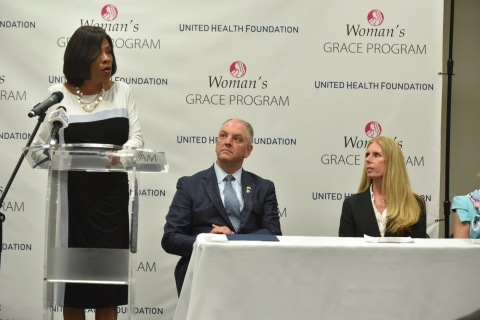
[467, 215]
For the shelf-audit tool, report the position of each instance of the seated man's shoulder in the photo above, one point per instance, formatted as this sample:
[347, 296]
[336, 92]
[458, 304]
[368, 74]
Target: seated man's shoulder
[196, 177]
[256, 177]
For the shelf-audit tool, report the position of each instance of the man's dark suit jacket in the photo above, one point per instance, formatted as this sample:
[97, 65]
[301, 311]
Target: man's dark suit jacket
[197, 205]
[358, 218]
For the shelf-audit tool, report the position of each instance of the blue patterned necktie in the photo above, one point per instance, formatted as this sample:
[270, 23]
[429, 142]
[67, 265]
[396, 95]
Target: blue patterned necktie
[232, 205]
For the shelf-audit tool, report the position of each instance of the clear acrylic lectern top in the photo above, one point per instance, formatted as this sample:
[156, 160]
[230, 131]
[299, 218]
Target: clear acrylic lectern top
[95, 157]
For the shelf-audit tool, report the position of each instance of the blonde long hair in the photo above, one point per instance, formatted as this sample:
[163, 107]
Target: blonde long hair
[403, 208]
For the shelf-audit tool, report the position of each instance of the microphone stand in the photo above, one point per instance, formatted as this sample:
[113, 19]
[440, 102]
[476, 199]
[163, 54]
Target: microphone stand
[41, 117]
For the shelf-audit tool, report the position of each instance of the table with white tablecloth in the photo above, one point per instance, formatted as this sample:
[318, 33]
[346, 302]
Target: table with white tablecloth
[330, 278]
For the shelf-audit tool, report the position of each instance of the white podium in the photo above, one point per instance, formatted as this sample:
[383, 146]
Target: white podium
[88, 265]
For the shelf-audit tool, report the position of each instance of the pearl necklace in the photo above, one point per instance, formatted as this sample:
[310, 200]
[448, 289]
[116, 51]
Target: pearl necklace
[89, 106]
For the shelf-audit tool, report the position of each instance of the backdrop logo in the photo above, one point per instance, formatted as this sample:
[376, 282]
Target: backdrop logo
[375, 17]
[238, 69]
[109, 12]
[373, 129]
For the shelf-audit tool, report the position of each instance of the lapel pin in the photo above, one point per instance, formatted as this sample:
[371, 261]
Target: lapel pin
[249, 189]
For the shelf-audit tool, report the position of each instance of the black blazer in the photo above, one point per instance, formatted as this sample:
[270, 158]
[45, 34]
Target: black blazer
[358, 218]
[197, 205]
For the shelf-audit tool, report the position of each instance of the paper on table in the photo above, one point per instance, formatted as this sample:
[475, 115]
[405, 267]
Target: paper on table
[240, 237]
[216, 238]
[252, 237]
[388, 239]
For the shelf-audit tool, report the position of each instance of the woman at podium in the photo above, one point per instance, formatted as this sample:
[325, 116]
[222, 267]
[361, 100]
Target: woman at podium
[100, 111]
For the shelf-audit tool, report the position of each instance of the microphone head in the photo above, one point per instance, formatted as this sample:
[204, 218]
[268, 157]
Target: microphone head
[58, 96]
[40, 108]
[59, 116]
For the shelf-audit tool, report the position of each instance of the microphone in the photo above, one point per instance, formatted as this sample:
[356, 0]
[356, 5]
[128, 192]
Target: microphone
[58, 119]
[40, 108]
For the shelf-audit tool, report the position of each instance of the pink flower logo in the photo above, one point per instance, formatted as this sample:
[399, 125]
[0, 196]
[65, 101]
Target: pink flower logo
[375, 17]
[238, 69]
[373, 129]
[109, 12]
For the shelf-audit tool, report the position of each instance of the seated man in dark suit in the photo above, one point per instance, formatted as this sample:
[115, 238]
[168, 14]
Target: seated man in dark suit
[206, 203]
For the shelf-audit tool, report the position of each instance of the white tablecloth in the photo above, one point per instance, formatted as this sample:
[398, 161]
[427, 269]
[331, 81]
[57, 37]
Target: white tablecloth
[330, 278]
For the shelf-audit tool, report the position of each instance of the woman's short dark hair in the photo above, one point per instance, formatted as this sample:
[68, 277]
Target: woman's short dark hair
[82, 49]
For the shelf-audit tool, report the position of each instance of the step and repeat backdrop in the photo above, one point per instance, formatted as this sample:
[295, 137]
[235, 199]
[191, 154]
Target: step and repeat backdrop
[316, 79]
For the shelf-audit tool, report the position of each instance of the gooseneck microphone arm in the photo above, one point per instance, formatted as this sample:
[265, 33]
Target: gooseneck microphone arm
[41, 117]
